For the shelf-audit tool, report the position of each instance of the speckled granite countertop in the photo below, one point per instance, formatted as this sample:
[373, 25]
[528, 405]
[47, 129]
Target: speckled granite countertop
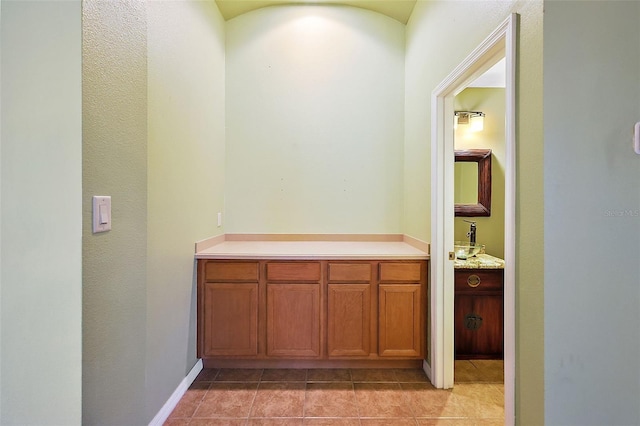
[479, 261]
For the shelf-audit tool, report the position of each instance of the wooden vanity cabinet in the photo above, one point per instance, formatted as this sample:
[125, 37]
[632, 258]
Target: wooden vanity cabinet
[320, 313]
[479, 312]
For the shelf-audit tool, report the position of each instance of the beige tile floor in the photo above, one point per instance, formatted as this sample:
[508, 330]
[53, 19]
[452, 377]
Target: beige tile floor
[366, 397]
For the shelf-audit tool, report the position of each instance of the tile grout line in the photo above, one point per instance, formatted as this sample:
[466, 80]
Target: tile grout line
[306, 389]
[203, 396]
[255, 396]
[355, 399]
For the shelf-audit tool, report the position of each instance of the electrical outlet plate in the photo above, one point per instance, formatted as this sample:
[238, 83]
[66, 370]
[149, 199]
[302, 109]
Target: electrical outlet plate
[636, 138]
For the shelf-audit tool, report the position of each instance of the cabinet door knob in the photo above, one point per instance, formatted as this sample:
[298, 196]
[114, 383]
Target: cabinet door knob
[473, 280]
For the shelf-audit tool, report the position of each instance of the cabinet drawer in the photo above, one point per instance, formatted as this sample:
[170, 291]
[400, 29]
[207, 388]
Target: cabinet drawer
[231, 271]
[349, 272]
[400, 271]
[293, 271]
[478, 280]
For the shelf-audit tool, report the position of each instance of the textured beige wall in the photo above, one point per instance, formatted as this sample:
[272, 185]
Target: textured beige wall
[40, 193]
[186, 144]
[439, 36]
[592, 213]
[114, 86]
[153, 111]
[314, 121]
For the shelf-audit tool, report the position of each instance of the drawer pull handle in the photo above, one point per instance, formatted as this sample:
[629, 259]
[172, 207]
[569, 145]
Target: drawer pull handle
[473, 280]
[472, 321]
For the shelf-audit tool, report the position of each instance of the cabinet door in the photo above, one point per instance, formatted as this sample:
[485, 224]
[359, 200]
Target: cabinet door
[478, 326]
[230, 319]
[465, 336]
[348, 319]
[489, 336]
[400, 322]
[293, 320]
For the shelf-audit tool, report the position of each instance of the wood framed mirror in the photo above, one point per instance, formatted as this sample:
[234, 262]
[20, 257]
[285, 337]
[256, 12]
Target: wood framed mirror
[481, 205]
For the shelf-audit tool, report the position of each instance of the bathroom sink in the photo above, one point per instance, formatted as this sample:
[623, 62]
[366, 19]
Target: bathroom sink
[464, 249]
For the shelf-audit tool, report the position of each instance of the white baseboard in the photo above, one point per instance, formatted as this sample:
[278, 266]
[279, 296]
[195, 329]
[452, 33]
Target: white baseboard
[427, 369]
[173, 400]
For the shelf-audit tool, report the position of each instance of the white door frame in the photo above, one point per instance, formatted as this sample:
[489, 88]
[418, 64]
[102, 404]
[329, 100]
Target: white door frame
[500, 43]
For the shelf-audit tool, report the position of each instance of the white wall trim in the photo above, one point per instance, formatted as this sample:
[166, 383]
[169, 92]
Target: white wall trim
[509, 295]
[173, 400]
[426, 368]
[500, 43]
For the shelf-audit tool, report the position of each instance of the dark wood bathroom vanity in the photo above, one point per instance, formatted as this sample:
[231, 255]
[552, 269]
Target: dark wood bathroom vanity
[479, 312]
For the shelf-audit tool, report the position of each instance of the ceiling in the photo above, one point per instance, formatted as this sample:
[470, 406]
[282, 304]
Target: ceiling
[399, 10]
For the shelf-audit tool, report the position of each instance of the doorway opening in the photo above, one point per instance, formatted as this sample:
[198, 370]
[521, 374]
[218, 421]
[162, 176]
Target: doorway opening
[501, 43]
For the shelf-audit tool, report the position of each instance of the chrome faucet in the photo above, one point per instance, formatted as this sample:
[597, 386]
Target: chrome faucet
[472, 232]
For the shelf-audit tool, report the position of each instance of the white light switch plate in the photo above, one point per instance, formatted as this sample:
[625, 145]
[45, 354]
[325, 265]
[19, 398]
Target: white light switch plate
[101, 213]
[636, 138]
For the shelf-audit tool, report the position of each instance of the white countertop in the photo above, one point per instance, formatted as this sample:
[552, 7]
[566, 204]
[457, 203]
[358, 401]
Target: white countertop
[315, 250]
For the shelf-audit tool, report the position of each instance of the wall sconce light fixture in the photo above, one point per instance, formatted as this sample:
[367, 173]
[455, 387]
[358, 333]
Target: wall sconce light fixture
[474, 119]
